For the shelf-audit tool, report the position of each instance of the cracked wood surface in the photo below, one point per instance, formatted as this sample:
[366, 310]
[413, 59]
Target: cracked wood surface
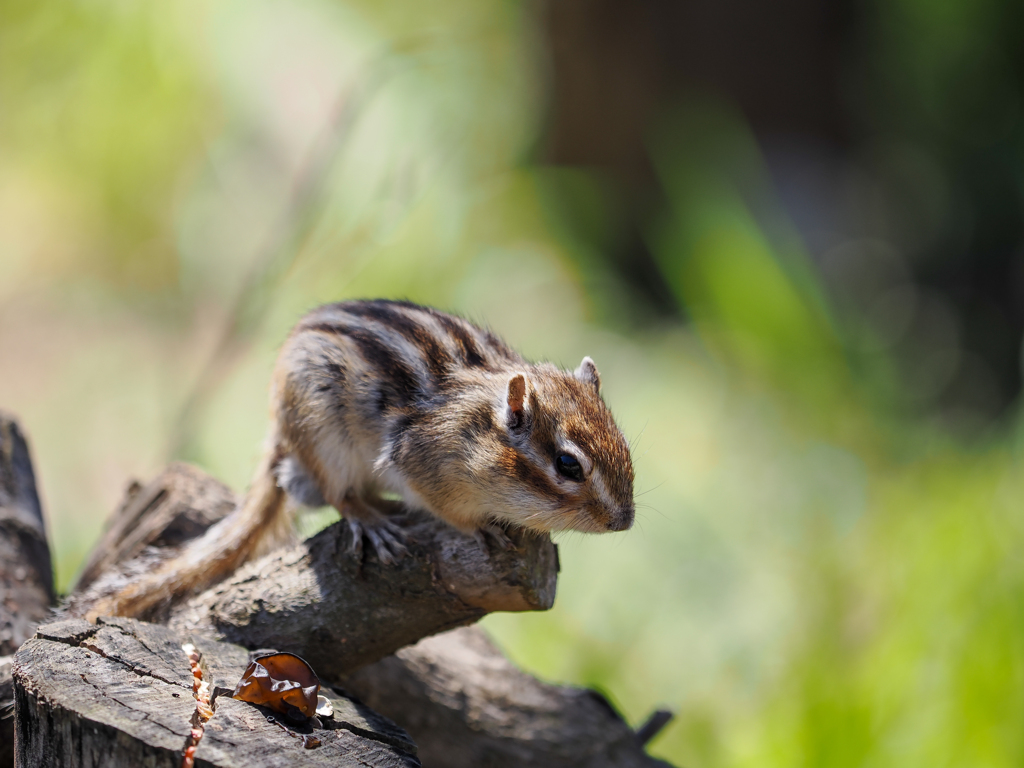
[119, 693]
[317, 599]
[26, 576]
[466, 705]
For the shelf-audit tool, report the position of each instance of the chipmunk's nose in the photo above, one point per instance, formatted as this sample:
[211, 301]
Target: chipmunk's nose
[624, 520]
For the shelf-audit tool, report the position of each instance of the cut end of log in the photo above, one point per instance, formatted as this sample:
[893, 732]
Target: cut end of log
[124, 690]
[519, 579]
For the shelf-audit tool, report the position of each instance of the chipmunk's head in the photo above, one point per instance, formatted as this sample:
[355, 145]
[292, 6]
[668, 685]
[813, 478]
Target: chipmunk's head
[563, 463]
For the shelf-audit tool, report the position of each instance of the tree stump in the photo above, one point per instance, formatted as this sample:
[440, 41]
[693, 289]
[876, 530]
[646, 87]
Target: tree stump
[119, 694]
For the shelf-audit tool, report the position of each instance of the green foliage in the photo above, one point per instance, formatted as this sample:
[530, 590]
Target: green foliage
[106, 100]
[751, 299]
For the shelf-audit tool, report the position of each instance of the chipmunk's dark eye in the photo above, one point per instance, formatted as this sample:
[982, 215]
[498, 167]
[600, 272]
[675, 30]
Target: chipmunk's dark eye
[567, 466]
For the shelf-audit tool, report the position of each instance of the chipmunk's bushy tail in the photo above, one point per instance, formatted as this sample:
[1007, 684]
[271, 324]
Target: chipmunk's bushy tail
[257, 525]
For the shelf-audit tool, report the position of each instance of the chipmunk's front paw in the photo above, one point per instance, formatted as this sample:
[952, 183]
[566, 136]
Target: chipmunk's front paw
[496, 535]
[385, 537]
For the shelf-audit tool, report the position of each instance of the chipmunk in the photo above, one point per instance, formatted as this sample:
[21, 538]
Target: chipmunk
[388, 396]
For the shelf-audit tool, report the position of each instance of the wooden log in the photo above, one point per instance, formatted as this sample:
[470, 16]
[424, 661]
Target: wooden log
[316, 598]
[118, 694]
[26, 575]
[340, 612]
[464, 702]
[466, 705]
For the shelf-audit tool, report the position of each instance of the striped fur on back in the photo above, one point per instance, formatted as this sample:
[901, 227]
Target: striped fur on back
[372, 397]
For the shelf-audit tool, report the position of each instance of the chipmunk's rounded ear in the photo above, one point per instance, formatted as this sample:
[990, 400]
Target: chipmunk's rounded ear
[587, 373]
[515, 399]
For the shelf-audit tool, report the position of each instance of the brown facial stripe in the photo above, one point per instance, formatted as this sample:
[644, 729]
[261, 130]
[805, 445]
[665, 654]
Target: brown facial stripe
[610, 453]
[439, 362]
[463, 340]
[399, 377]
[515, 464]
[543, 438]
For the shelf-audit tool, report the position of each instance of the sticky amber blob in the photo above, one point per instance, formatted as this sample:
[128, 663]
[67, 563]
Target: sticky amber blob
[281, 681]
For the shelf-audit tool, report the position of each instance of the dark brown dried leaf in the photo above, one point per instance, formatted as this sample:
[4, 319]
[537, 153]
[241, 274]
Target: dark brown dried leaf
[282, 682]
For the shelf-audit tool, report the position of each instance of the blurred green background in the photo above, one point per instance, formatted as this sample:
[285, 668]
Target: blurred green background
[790, 234]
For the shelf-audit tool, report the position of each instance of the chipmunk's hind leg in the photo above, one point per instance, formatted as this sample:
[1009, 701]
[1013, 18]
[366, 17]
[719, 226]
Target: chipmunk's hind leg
[367, 522]
[298, 483]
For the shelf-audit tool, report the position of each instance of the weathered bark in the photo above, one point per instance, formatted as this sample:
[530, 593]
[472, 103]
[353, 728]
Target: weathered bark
[316, 598]
[177, 506]
[119, 694]
[466, 705]
[26, 576]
